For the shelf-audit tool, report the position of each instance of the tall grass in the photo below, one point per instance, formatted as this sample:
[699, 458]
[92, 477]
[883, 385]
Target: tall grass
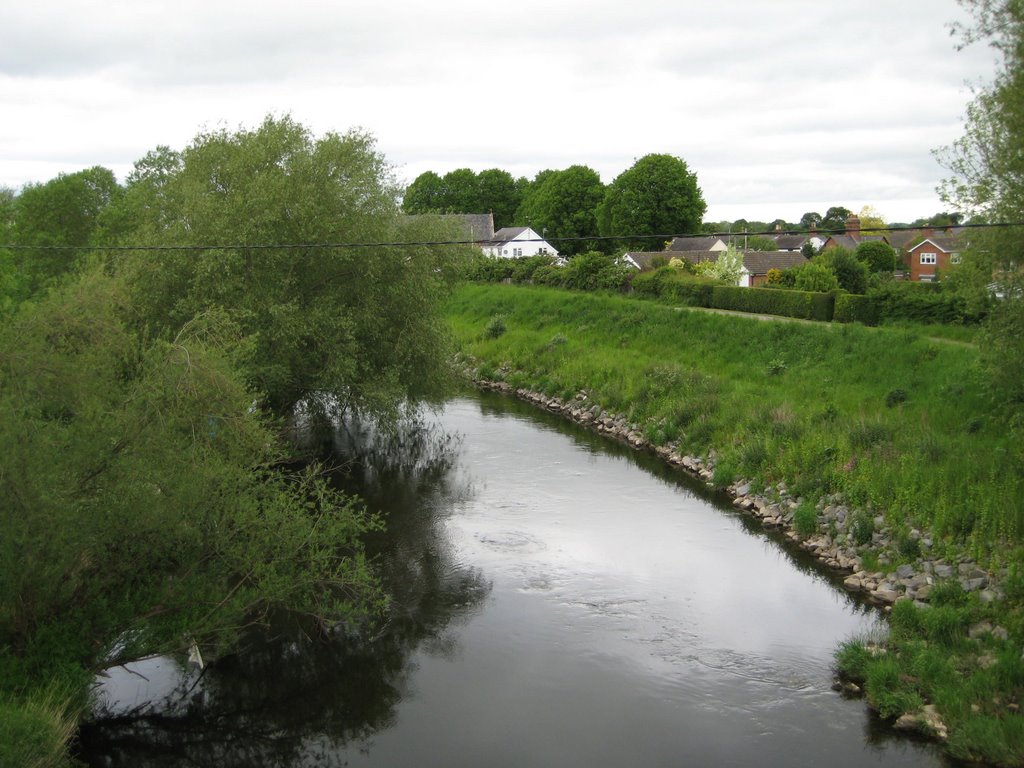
[885, 416]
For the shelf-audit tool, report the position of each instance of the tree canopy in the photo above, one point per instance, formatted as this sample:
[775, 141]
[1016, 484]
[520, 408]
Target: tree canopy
[658, 195]
[564, 204]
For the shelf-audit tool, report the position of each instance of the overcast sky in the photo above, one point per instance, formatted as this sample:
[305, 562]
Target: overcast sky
[780, 107]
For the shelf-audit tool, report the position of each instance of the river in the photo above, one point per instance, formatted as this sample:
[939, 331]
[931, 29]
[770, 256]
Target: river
[559, 600]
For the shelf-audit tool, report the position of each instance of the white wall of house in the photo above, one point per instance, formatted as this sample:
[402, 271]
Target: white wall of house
[526, 243]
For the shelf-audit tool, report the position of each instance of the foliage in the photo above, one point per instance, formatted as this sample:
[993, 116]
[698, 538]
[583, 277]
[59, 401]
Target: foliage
[803, 304]
[107, 432]
[425, 195]
[498, 193]
[564, 205]
[359, 324]
[851, 308]
[810, 220]
[727, 268]
[495, 327]
[835, 218]
[851, 273]
[1003, 351]
[988, 178]
[658, 195]
[926, 303]
[879, 256]
[59, 218]
[761, 243]
[812, 276]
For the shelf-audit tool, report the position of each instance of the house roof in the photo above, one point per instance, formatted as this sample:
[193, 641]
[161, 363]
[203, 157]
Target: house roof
[842, 241]
[791, 242]
[759, 262]
[944, 243]
[693, 243]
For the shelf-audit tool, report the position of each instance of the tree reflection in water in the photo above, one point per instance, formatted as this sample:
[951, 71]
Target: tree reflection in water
[291, 696]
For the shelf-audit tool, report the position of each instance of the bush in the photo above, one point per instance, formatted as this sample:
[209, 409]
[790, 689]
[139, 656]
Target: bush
[878, 256]
[851, 273]
[803, 304]
[924, 303]
[495, 327]
[814, 277]
[805, 519]
[852, 308]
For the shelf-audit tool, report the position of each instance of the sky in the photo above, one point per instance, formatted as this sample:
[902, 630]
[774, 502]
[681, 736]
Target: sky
[779, 107]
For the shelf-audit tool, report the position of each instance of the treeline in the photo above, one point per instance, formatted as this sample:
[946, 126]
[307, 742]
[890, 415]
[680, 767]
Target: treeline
[657, 195]
[145, 503]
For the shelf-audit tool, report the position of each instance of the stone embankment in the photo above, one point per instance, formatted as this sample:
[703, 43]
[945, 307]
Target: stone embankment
[857, 543]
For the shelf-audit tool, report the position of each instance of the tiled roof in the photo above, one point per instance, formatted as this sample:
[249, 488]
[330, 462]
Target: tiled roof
[693, 243]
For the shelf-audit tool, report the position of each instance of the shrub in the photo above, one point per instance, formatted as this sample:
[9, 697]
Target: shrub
[878, 256]
[851, 273]
[853, 308]
[495, 327]
[925, 303]
[862, 527]
[805, 519]
[803, 304]
[814, 277]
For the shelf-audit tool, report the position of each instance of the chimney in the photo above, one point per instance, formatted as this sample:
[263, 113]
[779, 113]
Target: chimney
[853, 226]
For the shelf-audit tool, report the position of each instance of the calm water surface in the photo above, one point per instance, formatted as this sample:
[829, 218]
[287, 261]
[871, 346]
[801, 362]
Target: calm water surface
[559, 601]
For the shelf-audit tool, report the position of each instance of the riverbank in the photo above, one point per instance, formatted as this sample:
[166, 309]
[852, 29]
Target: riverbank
[951, 668]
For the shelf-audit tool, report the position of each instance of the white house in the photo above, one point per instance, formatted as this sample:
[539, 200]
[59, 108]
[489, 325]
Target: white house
[513, 242]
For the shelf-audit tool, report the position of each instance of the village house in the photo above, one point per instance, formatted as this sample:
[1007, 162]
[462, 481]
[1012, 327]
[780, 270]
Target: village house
[515, 242]
[928, 259]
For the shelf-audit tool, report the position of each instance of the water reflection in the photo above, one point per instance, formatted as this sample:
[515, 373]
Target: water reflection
[292, 696]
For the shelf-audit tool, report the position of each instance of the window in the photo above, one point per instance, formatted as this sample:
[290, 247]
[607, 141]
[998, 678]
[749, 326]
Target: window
[928, 258]
[954, 258]
[517, 251]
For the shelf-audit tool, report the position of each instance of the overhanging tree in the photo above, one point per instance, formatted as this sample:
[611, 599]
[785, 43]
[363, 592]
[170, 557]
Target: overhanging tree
[356, 325]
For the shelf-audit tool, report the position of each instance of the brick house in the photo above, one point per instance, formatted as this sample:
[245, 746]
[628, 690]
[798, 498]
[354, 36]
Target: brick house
[927, 260]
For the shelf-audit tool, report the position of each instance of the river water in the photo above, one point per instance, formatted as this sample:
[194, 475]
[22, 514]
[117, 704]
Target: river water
[558, 601]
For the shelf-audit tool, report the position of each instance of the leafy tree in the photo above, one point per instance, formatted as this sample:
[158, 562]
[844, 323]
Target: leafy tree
[761, 243]
[727, 268]
[360, 325]
[564, 205]
[104, 430]
[57, 215]
[835, 218]
[807, 250]
[988, 185]
[810, 220]
[460, 192]
[814, 276]
[871, 221]
[498, 194]
[425, 194]
[878, 256]
[851, 273]
[658, 195]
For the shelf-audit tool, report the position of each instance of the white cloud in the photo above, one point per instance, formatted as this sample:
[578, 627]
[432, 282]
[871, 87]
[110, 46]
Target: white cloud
[790, 103]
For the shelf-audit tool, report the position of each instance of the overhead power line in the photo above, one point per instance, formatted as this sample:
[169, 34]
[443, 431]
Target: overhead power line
[438, 243]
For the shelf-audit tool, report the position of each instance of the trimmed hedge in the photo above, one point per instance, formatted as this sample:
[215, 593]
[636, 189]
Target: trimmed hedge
[675, 285]
[923, 303]
[853, 308]
[772, 301]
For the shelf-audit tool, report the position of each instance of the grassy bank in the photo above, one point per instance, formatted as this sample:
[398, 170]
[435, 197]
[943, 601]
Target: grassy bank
[893, 422]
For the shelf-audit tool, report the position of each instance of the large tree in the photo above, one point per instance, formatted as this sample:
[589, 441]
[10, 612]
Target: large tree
[564, 204]
[988, 185]
[835, 218]
[425, 194]
[657, 196]
[357, 323]
[57, 219]
[499, 194]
